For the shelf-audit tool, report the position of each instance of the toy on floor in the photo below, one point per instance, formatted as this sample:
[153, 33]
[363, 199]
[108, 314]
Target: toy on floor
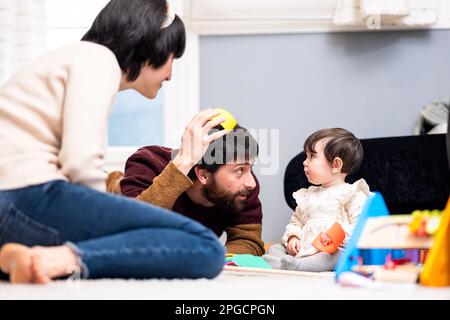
[404, 268]
[246, 261]
[399, 248]
[436, 271]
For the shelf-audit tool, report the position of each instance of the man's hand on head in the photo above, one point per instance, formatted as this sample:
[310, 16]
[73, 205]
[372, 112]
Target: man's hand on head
[196, 139]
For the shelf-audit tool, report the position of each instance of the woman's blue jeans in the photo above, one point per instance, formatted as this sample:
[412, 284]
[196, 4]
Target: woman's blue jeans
[113, 236]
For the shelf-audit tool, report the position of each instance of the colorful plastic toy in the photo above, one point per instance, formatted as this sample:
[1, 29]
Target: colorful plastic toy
[337, 236]
[246, 261]
[436, 271]
[229, 123]
[425, 222]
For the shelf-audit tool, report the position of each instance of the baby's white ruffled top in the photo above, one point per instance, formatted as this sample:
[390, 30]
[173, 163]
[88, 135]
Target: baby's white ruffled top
[318, 208]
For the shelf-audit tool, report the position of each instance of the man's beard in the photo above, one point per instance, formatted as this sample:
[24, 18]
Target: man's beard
[224, 199]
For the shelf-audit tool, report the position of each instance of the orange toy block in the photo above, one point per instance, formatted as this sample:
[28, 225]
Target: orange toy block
[436, 270]
[337, 236]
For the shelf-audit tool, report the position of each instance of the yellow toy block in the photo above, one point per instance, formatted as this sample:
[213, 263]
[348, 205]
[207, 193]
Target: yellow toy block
[229, 123]
[436, 271]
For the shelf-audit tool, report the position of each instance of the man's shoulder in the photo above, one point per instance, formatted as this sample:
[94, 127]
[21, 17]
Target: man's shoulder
[155, 157]
[154, 151]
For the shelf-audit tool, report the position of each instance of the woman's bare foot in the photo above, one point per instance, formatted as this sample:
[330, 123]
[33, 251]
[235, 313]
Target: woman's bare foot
[36, 264]
[15, 260]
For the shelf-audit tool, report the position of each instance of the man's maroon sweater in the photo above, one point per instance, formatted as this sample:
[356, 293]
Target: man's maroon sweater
[148, 162]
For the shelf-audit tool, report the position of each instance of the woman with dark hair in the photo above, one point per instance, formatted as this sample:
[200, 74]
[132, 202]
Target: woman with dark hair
[55, 218]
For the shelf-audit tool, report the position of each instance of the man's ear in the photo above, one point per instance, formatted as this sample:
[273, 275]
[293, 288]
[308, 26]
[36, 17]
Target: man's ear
[337, 165]
[202, 175]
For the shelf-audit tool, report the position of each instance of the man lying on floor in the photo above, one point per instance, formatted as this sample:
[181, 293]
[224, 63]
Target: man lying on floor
[220, 191]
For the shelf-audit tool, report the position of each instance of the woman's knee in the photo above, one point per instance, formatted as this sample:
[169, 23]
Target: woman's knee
[215, 259]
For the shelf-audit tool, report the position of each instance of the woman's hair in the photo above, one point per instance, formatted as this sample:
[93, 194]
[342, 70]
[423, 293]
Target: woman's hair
[236, 146]
[338, 143]
[131, 29]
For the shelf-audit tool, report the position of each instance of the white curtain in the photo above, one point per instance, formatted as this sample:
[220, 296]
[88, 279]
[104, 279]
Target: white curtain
[388, 12]
[22, 34]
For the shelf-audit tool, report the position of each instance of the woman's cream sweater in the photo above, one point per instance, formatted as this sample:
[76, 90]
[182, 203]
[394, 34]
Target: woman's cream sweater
[54, 115]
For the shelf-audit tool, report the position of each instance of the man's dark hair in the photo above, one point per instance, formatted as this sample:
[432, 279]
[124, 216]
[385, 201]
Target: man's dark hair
[338, 143]
[132, 30]
[236, 146]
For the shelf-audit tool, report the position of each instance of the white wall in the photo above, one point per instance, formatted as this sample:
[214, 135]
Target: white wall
[68, 20]
[373, 84]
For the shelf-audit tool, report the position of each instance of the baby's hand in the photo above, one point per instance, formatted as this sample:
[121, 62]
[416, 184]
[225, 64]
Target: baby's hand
[325, 239]
[293, 246]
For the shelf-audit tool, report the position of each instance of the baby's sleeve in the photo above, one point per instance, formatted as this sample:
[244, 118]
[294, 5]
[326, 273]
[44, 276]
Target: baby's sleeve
[355, 206]
[294, 228]
[296, 223]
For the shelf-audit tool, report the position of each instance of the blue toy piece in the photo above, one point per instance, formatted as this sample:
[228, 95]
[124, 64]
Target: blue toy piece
[375, 207]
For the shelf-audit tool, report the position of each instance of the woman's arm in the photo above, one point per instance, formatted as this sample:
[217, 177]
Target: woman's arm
[90, 90]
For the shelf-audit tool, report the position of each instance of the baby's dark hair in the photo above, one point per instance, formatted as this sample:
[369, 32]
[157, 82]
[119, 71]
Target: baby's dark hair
[338, 143]
[237, 145]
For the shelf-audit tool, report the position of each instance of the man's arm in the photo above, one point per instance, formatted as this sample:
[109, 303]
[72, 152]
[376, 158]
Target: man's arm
[166, 188]
[150, 176]
[113, 182]
[163, 187]
[245, 238]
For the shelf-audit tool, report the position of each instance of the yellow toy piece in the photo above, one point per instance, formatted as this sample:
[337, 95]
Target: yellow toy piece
[425, 223]
[416, 221]
[436, 271]
[229, 123]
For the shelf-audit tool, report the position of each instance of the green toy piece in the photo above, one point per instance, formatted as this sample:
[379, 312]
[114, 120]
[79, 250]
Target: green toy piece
[247, 261]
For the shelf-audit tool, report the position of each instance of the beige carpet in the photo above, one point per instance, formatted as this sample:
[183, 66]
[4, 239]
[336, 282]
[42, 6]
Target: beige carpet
[228, 285]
